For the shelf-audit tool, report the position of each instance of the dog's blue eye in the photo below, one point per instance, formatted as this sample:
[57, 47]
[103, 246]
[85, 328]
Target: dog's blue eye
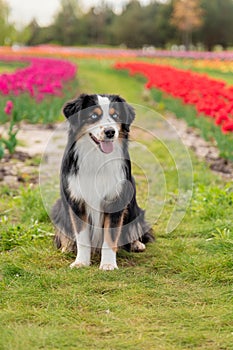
[114, 116]
[94, 116]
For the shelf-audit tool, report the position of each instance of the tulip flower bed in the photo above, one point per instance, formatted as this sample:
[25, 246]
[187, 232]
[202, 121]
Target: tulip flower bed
[42, 77]
[101, 52]
[36, 90]
[217, 69]
[210, 98]
[205, 65]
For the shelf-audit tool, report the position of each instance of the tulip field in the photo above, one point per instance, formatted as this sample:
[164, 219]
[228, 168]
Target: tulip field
[41, 77]
[31, 88]
[209, 96]
[39, 88]
[177, 295]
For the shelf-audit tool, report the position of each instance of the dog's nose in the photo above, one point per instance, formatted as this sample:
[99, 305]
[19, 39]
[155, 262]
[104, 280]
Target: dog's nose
[109, 133]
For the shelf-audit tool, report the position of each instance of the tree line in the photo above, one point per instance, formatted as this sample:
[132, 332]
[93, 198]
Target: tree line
[204, 23]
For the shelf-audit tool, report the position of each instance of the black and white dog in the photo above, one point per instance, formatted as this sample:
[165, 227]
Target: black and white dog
[98, 207]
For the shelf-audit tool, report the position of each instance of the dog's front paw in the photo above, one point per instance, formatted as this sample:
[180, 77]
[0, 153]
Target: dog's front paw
[108, 267]
[79, 264]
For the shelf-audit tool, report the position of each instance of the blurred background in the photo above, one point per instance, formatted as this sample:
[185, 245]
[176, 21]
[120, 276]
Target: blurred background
[166, 24]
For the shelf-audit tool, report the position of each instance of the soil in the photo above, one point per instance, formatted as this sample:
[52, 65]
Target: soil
[204, 150]
[22, 166]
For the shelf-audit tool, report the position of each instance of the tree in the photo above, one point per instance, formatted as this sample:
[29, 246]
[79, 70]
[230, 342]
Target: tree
[96, 24]
[217, 27]
[34, 29]
[208, 22]
[33, 34]
[66, 23]
[128, 26]
[166, 33]
[6, 29]
[187, 17]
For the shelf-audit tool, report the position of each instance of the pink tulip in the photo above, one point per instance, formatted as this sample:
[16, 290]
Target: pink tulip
[42, 76]
[9, 107]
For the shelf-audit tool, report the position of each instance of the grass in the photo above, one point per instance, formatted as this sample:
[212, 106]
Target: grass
[8, 67]
[176, 295]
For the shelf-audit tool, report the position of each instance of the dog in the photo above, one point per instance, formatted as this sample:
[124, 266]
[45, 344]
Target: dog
[97, 207]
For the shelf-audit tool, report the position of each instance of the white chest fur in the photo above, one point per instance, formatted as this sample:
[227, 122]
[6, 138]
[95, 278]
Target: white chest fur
[99, 179]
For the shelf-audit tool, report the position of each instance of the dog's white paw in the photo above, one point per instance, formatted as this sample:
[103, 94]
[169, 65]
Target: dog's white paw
[138, 246]
[78, 264]
[108, 267]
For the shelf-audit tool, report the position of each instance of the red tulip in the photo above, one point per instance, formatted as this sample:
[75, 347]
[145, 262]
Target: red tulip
[227, 126]
[209, 96]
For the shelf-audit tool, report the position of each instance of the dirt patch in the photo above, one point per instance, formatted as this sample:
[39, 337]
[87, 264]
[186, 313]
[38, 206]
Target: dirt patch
[22, 166]
[16, 169]
[203, 149]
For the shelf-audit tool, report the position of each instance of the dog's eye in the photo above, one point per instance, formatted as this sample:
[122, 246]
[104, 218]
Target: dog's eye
[94, 116]
[114, 116]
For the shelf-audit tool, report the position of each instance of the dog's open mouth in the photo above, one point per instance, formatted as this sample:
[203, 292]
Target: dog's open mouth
[105, 146]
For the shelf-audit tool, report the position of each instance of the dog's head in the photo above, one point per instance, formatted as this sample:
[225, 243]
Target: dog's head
[104, 118]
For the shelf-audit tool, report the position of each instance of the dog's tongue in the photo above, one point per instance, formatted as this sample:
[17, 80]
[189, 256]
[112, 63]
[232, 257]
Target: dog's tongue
[106, 146]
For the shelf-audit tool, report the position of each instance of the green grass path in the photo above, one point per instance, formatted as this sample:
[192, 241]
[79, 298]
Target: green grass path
[176, 295]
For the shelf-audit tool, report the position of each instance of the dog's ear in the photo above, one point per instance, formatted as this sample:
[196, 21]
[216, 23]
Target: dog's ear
[130, 116]
[127, 112]
[75, 106]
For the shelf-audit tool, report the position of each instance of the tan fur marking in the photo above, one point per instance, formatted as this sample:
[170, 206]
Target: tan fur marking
[107, 234]
[119, 127]
[98, 111]
[84, 220]
[72, 220]
[112, 111]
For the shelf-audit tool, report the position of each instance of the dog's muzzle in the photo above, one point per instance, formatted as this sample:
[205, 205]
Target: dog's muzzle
[105, 144]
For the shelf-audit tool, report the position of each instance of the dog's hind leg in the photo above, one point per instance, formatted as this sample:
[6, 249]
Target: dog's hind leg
[137, 247]
[65, 243]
